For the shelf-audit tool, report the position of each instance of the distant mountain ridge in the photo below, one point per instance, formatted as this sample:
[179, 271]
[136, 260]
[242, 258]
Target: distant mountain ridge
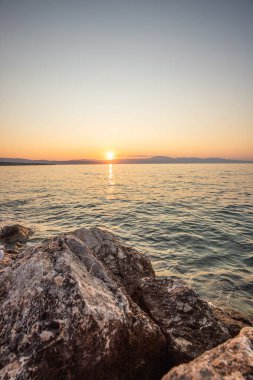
[150, 160]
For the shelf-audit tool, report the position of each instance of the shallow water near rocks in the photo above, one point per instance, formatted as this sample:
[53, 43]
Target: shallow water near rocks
[193, 221]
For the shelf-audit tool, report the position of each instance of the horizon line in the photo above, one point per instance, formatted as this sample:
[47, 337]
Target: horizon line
[143, 159]
[131, 157]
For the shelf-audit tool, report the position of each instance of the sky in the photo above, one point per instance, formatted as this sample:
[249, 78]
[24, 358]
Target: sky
[139, 78]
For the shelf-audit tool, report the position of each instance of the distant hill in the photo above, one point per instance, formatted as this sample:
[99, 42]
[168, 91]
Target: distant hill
[25, 161]
[150, 160]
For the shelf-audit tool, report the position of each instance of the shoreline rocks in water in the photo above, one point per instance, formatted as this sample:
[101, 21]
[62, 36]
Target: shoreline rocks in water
[85, 305]
[14, 234]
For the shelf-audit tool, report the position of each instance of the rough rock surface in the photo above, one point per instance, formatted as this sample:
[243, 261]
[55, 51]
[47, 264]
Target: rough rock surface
[233, 320]
[127, 264]
[129, 267]
[14, 233]
[85, 305]
[232, 360]
[188, 322]
[8, 256]
[62, 316]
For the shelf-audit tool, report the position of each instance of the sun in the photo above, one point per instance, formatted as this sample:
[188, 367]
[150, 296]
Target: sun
[110, 156]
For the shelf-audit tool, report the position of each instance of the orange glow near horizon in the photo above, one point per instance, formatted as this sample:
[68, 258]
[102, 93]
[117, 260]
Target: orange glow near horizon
[139, 79]
[77, 138]
[37, 150]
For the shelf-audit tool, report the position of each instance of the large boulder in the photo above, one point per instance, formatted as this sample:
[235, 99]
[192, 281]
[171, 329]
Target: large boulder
[14, 234]
[232, 360]
[188, 323]
[85, 305]
[63, 316]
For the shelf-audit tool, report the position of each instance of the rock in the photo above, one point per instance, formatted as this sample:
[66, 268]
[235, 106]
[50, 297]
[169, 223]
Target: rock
[7, 259]
[12, 251]
[188, 323]
[14, 234]
[85, 305]
[232, 360]
[63, 316]
[127, 265]
[233, 320]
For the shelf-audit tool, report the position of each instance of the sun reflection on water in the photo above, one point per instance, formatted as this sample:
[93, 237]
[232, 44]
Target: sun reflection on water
[110, 172]
[110, 188]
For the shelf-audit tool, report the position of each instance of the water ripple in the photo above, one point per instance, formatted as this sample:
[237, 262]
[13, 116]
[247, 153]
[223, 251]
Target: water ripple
[193, 221]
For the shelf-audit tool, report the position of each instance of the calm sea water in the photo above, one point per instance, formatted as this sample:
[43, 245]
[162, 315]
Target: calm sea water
[193, 221]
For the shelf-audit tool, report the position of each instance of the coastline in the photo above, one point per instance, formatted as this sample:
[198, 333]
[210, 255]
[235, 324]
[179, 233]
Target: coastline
[106, 289]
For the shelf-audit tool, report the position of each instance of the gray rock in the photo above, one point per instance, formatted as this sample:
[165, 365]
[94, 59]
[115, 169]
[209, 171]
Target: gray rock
[127, 264]
[188, 323]
[232, 360]
[63, 316]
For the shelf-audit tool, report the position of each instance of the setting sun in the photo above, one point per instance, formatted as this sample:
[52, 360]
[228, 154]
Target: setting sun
[110, 156]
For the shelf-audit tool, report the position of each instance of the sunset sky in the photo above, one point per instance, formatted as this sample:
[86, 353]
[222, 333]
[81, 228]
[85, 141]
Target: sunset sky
[135, 77]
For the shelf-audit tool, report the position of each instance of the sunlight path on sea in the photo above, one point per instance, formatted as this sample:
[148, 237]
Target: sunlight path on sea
[193, 221]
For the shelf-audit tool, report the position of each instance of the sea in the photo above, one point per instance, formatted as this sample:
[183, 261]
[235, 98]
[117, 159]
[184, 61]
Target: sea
[193, 221]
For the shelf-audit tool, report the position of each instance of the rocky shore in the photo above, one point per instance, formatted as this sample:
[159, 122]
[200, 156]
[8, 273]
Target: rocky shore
[84, 305]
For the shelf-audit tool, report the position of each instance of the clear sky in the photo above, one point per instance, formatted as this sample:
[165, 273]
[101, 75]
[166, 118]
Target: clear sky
[161, 77]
